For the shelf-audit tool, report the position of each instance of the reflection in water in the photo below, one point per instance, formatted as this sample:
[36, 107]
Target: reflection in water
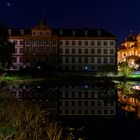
[79, 104]
[77, 99]
[128, 97]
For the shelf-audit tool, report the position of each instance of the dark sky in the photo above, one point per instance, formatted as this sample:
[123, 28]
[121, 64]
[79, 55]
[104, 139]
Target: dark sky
[120, 17]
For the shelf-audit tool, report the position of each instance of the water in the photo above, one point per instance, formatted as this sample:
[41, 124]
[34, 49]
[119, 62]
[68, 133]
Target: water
[95, 109]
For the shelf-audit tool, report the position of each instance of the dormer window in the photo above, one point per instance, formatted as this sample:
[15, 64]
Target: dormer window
[22, 32]
[9, 31]
[86, 32]
[99, 32]
[61, 32]
[73, 32]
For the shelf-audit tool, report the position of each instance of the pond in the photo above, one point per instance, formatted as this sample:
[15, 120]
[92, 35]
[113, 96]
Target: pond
[95, 109]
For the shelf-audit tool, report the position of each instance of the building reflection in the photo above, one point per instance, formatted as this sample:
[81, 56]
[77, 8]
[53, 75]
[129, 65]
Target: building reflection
[72, 99]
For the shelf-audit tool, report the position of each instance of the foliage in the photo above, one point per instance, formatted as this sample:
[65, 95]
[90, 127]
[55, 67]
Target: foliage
[6, 48]
[25, 120]
[124, 69]
[126, 87]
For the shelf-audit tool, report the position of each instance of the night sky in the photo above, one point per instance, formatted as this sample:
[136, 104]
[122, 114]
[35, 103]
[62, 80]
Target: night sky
[120, 17]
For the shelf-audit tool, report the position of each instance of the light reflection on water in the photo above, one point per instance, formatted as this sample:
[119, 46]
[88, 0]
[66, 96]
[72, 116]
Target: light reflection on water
[85, 101]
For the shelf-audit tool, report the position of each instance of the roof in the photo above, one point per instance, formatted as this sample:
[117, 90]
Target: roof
[85, 32]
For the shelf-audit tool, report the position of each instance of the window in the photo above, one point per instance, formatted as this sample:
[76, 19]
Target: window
[66, 43]
[21, 59]
[86, 51]
[92, 59]
[67, 51]
[73, 103]
[66, 111]
[98, 42]
[92, 103]
[99, 51]
[60, 43]
[79, 60]
[112, 111]
[21, 50]
[79, 51]
[73, 67]
[67, 94]
[99, 103]
[105, 111]
[105, 43]
[73, 111]
[92, 51]
[105, 51]
[92, 43]
[79, 42]
[47, 42]
[66, 103]
[111, 43]
[73, 43]
[86, 94]
[21, 42]
[61, 51]
[73, 59]
[111, 60]
[79, 94]
[73, 51]
[66, 60]
[86, 43]
[54, 42]
[86, 103]
[79, 111]
[105, 60]
[98, 60]
[14, 59]
[60, 103]
[86, 60]
[111, 51]
[79, 103]
[73, 94]
[15, 42]
[86, 111]
[99, 111]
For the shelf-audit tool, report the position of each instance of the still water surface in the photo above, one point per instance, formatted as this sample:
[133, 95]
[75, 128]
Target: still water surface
[99, 108]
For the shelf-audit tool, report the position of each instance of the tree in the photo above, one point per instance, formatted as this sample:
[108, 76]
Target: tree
[124, 69]
[6, 48]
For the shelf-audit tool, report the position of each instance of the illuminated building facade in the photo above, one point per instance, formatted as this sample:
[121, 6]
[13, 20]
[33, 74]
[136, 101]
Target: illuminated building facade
[67, 49]
[130, 49]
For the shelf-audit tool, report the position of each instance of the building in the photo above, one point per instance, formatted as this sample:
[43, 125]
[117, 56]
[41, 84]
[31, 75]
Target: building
[66, 99]
[65, 49]
[130, 50]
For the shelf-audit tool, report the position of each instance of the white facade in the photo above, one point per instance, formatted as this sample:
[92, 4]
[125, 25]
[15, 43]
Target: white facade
[17, 59]
[82, 55]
